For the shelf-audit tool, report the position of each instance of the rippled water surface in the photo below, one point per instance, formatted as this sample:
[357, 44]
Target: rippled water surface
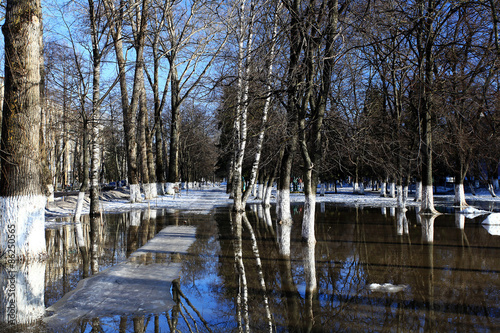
[372, 270]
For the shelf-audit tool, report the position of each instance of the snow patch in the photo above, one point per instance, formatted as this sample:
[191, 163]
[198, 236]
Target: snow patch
[492, 229]
[471, 212]
[492, 219]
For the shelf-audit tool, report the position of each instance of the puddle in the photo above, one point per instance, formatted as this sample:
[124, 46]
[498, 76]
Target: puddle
[437, 275]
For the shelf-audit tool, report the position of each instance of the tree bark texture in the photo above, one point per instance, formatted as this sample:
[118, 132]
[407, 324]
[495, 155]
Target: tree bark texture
[22, 203]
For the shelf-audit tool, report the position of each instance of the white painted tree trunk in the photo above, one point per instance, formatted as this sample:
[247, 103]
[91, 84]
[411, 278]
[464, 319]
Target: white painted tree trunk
[135, 193]
[460, 196]
[355, 188]
[383, 189]
[79, 206]
[147, 191]
[392, 189]
[400, 200]
[361, 188]
[495, 184]
[170, 189]
[22, 227]
[309, 218]
[160, 188]
[154, 189]
[427, 204]
[50, 193]
[285, 214]
[418, 191]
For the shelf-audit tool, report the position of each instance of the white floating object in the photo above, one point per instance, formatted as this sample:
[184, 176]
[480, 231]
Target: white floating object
[492, 229]
[471, 212]
[493, 218]
[387, 287]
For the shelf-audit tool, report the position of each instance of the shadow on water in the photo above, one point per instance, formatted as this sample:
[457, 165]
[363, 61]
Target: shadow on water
[371, 270]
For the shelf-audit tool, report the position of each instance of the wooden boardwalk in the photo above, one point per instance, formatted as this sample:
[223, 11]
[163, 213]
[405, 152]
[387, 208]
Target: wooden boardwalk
[138, 286]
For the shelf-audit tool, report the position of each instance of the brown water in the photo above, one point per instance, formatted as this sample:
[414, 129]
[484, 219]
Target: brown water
[443, 274]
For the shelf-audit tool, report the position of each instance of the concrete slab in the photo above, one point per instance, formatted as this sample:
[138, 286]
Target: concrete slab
[139, 286]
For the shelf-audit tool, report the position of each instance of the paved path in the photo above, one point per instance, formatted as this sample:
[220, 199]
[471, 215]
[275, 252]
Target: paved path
[138, 286]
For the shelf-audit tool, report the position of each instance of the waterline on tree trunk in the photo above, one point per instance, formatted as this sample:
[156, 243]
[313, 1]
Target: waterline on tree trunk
[427, 206]
[285, 215]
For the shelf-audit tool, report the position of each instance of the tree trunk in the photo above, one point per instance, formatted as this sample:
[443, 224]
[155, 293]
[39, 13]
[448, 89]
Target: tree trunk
[143, 150]
[459, 199]
[129, 120]
[383, 189]
[22, 221]
[418, 190]
[95, 161]
[175, 124]
[426, 81]
[85, 175]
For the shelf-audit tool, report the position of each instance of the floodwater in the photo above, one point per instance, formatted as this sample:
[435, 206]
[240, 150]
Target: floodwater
[372, 270]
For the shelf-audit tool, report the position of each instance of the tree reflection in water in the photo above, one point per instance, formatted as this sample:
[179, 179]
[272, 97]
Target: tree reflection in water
[446, 271]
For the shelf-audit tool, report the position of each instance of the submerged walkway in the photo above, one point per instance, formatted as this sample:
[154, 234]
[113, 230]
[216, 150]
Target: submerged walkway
[141, 285]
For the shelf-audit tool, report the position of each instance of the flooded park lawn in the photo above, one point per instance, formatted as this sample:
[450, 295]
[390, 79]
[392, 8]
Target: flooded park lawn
[372, 270]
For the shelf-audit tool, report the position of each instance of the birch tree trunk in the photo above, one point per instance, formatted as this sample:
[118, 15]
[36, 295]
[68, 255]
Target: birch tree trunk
[175, 124]
[22, 204]
[95, 117]
[85, 166]
[265, 110]
[245, 35]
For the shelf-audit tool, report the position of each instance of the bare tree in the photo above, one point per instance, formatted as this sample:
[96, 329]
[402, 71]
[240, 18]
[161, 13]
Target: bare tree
[192, 44]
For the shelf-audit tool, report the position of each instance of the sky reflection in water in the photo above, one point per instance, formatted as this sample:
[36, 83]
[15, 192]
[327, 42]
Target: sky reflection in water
[448, 271]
